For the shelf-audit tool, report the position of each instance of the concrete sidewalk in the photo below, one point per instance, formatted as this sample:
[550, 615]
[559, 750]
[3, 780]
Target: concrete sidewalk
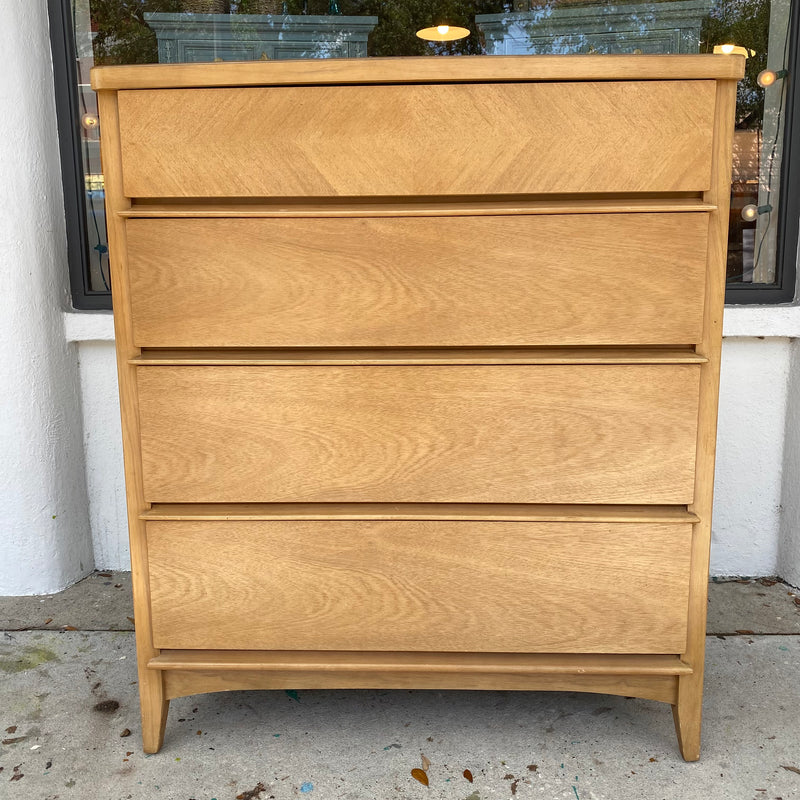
[67, 697]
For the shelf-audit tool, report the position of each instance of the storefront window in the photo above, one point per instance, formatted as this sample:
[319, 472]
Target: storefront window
[174, 31]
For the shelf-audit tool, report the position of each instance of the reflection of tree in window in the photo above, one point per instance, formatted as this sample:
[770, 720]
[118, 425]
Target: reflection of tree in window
[120, 33]
[745, 23]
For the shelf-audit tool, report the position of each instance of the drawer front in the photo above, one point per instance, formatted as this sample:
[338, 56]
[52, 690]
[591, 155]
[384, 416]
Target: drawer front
[632, 278]
[421, 585]
[496, 434]
[483, 139]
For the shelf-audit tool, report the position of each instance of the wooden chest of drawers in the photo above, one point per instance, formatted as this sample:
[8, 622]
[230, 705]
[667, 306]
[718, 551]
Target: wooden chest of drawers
[418, 362]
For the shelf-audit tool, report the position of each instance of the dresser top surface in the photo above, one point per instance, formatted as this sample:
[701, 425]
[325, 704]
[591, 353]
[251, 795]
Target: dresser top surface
[428, 69]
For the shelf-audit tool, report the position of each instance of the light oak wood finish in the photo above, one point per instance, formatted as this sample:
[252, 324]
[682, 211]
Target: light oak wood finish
[428, 356]
[354, 661]
[509, 434]
[179, 683]
[687, 711]
[466, 139]
[303, 283]
[193, 671]
[201, 208]
[154, 702]
[582, 456]
[419, 586]
[487, 512]
[420, 70]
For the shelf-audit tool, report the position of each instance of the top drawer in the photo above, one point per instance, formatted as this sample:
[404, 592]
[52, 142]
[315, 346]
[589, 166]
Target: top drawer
[359, 141]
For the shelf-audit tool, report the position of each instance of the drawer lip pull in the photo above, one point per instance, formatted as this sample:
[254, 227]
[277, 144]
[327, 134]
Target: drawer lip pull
[388, 356]
[200, 208]
[355, 661]
[489, 512]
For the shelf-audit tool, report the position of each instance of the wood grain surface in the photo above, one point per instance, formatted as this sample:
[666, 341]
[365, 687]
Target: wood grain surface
[180, 683]
[500, 434]
[463, 413]
[393, 282]
[415, 585]
[434, 139]
[425, 69]
[688, 708]
[288, 208]
[153, 700]
[412, 661]
[427, 356]
[489, 512]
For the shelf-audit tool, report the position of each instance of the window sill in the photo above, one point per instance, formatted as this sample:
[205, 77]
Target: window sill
[89, 326]
[762, 321]
[740, 321]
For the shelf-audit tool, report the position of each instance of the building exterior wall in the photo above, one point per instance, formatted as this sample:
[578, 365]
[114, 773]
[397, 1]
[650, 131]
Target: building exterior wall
[102, 443]
[43, 501]
[62, 500]
[747, 485]
[789, 537]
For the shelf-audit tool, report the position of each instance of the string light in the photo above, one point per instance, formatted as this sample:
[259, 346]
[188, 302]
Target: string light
[751, 211]
[767, 207]
[768, 76]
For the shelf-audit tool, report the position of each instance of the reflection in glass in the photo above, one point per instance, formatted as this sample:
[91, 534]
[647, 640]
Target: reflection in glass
[173, 31]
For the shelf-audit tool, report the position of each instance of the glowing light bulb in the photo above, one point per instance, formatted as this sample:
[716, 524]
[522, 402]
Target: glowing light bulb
[768, 76]
[443, 33]
[89, 121]
[750, 213]
[733, 49]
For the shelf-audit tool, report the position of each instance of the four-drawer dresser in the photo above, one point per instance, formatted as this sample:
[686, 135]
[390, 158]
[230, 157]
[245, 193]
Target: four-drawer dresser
[419, 364]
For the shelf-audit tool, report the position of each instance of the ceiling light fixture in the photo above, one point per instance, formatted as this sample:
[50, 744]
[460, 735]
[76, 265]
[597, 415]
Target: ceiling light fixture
[735, 49]
[443, 33]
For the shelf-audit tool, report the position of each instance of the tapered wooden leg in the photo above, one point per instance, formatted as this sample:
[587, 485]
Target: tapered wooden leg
[155, 708]
[688, 713]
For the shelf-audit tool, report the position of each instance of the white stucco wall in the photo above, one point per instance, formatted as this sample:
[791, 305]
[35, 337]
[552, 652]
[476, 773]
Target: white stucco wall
[93, 335]
[102, 441]
[789, 545]
[747, 486]
[44, 541]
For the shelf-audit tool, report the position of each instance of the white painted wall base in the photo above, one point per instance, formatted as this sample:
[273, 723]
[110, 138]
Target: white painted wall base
[747, 487]
[102, 442]
[789, 540]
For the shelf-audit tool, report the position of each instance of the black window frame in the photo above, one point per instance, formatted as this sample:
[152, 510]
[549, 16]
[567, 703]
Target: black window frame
[65, 79]
[787, 249]
[84, 298]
